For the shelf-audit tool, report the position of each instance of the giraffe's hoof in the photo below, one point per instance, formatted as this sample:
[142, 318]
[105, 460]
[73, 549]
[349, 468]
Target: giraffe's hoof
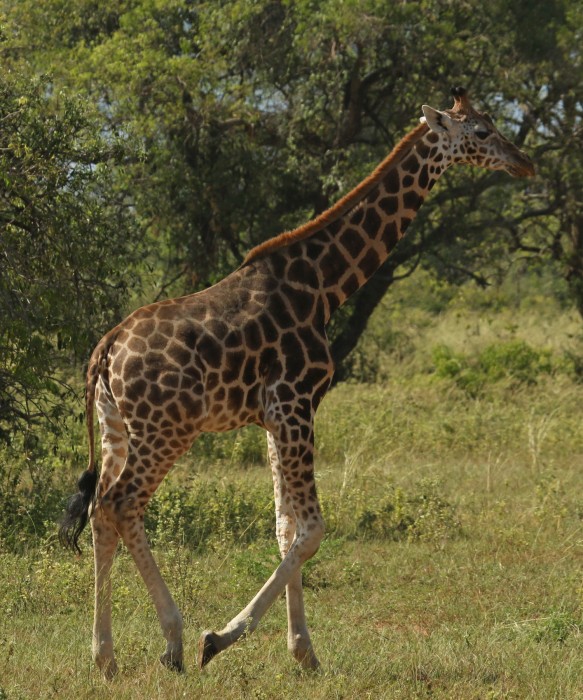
[207, 648]
[172, 661]
[308, 661]
[303, 652]
[107, 666]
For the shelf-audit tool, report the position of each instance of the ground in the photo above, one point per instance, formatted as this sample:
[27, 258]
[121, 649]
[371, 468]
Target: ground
[452, 562]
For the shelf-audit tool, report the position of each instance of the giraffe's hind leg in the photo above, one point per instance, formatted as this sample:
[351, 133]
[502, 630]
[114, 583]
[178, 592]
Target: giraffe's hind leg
[124, 504]
[105, 537]
[298, 636]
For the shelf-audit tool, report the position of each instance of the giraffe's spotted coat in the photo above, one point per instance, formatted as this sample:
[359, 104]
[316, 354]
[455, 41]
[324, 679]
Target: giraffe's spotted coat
[253, 349]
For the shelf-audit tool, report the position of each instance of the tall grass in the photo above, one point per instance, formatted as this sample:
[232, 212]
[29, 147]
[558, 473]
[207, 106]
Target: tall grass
[452, 490]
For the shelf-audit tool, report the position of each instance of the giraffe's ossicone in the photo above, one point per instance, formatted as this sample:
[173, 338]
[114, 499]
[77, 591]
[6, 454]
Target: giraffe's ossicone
[251, 349]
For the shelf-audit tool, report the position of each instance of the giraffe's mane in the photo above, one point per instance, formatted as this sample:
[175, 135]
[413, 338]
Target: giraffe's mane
[343, 205]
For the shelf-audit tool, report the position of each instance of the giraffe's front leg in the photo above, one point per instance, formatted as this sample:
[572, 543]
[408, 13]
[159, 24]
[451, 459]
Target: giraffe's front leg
[304, 546]
[295, 466]
[298, 636]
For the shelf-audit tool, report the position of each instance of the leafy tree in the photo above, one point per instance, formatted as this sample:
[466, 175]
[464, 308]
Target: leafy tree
[65, 234]
[257, 114]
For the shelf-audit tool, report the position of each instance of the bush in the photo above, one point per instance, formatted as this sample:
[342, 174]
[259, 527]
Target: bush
[209, 513]
[30, 500]
[371, 507]
[514, 361]
[557, 627]
[423, 516]
[243, 447]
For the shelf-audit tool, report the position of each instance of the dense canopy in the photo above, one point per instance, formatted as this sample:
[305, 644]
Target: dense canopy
[147, 145]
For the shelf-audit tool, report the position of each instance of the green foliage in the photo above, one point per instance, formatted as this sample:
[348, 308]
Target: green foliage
[514, 361]
[424, 515]
[240, 448]
[67, 247]
[210, 513]
[30, 497]
[575, 361]
[557, 627]
[551, 501]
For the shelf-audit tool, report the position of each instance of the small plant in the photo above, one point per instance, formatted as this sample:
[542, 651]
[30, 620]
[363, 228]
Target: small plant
[206, 513]
[515, 360]
[424, 516]
[447, 363]
[556, 628]
[551, 500]
[30, 501]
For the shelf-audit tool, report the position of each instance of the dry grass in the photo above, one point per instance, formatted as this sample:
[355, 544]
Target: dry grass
[487, 602]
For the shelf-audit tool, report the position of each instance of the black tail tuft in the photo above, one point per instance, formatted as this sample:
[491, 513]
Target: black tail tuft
[77, 511]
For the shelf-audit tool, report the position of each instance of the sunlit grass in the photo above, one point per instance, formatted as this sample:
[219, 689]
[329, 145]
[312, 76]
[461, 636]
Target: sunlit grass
[451, 567]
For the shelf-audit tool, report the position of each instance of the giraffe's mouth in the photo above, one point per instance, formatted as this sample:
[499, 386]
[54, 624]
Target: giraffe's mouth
[522, 170]
[521, 167]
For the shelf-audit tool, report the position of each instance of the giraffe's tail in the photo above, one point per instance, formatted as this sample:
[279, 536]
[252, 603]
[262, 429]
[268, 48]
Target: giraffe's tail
[76, 513]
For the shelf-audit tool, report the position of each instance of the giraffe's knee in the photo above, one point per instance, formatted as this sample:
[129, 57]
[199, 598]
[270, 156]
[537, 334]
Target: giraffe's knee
[119, 508]
[312, 536]
[285, 530]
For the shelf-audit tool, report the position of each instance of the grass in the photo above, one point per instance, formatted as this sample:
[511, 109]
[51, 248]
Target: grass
[497, 616]
[451, 566]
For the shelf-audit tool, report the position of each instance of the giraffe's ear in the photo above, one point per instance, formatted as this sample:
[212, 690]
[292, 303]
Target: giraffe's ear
[436, 120]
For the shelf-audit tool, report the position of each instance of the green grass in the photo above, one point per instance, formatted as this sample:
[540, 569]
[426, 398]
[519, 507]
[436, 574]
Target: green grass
[451, 566]
[492, 616]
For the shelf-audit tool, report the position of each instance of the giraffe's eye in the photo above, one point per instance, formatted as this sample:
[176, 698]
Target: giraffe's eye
[482, 133]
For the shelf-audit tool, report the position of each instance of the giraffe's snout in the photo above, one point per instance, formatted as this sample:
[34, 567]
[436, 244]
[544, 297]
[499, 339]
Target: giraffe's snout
[521, 165]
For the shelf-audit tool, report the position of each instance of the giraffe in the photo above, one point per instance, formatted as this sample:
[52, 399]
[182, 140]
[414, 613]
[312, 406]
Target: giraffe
[251, 349]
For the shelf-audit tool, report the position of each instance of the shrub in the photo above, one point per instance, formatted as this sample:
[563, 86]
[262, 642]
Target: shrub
[557, 627]
[239, 447]
[30, 500]
[423, 516]
[207, 513]
[211, 513]
[514, 361]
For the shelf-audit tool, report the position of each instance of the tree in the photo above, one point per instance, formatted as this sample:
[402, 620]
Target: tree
[257, 114]
[65, 235]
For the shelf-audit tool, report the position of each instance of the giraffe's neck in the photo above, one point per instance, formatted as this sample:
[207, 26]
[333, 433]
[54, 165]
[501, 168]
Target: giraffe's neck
[357, 243]
[345, 246]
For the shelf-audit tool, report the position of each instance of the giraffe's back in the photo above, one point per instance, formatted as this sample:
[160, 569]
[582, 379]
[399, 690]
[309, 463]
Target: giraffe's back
[205, 362]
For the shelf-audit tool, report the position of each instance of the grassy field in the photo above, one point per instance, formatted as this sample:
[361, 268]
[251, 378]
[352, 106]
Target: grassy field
[453, 493]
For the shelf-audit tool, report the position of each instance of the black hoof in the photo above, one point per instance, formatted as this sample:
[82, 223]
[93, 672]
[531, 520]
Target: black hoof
[173, 663]
[207, 648]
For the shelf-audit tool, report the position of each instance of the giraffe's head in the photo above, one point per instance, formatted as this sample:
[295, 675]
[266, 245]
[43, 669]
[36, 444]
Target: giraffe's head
[471, 137]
